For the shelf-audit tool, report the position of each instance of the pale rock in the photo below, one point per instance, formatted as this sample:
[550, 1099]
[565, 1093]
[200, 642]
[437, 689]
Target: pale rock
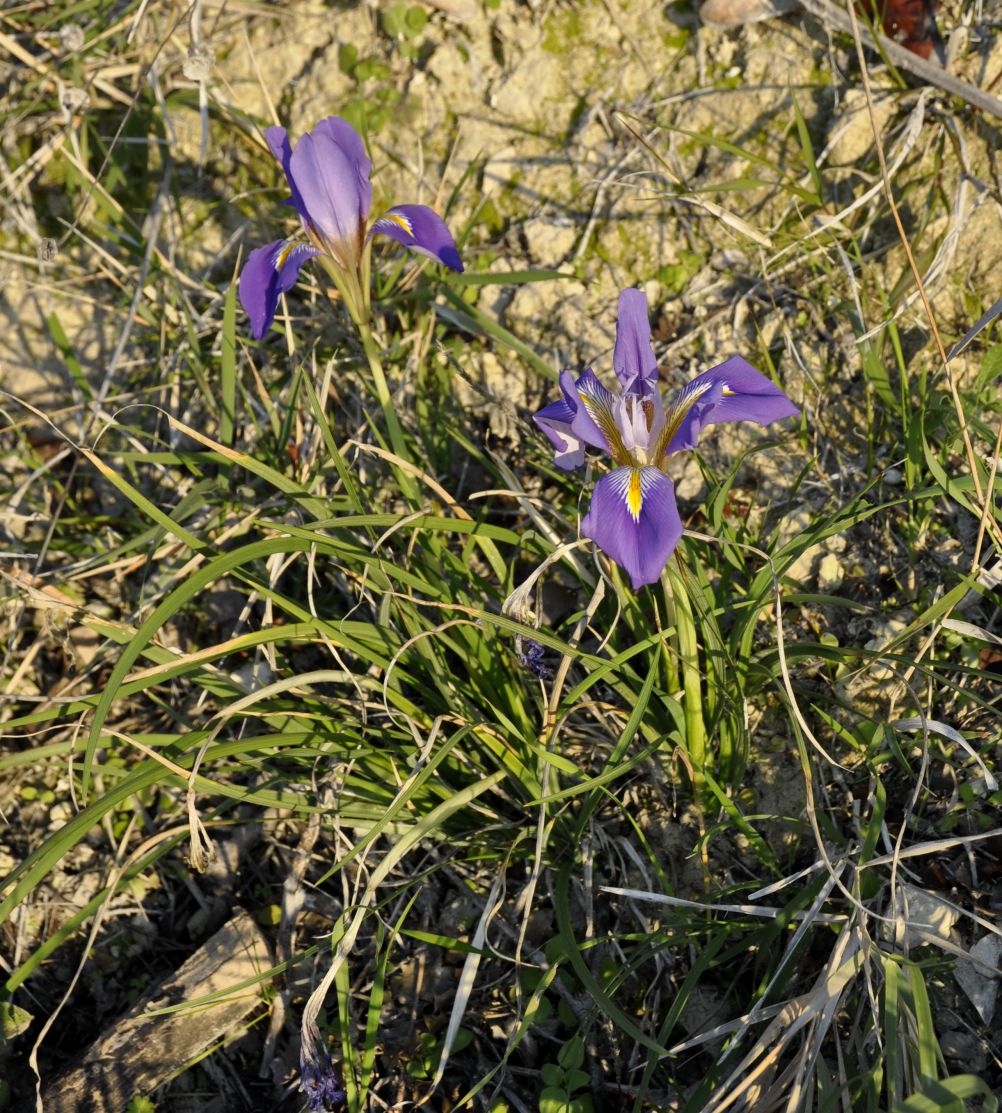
[60, 813]
[793, 525]
[549, 243]
[965, 1049]
[981, 988]
[197, 66]
[282, 46]
[979, 258]
[253, 676]
[885, 631]
[736, 13]
[527, 91]
[688, 476]
[85, 644]
[488, 385]
[560, 311]
[830, 572]
[71, 37]
[918, 910]
[850, 136]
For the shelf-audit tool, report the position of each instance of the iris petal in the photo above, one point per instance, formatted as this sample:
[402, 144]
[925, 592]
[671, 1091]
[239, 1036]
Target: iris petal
[329, 171]
[633, 519]
[595, 421]
[423, 230]
[281, 148]
[633, 355]
[731, 391]
[270, 271]
[555, 420]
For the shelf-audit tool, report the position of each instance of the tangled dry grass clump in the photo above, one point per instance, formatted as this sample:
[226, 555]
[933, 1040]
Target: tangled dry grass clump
[338, 770]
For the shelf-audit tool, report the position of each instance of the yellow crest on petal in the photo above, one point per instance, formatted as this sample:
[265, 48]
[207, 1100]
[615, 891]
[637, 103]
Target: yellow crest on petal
[282, 257]
[399, 220]
[635, 494]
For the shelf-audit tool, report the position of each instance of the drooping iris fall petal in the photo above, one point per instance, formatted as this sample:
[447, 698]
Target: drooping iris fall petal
[270, 271]
[633, 519]
[556, 421]
[422, 230]
[731, 391]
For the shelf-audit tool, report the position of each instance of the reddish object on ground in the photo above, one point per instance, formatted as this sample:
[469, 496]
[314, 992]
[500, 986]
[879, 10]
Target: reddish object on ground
[912, 23]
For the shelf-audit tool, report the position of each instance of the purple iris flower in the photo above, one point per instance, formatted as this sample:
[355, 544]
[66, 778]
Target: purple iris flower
[318, 1078]
[328, 175]
[532, 656]
[633, 517]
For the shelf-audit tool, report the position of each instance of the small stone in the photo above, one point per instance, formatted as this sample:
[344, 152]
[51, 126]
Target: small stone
[892, 476]
[690, 484]
[74, 101]
[735, 13]
[830, 572]
[884, 632]
[60, 813]
[851, 132]
[71, 37]
[549, 244]
[976, 982]
[965, 1049]
[198, 65]
[919, 916]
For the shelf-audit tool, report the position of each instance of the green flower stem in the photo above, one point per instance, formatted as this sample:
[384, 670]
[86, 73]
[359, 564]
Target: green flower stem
[353, 286]
[669, 643]
[688, 651]
[393, 427]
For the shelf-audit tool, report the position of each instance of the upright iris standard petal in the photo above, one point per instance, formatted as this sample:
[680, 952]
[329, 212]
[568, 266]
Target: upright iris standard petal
[281, 148]
[329, 171]
[344, 136]
[423, 230]
[731, 391]
[633, 519]
[270, 271]
[633, 355]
